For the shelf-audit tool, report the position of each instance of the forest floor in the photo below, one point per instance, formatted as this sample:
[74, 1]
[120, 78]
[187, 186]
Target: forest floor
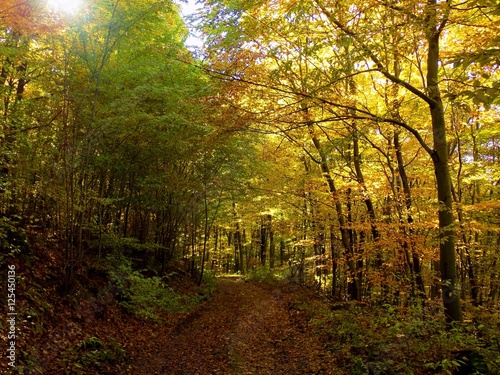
[242, 327]
[247, 328]
[231, 326]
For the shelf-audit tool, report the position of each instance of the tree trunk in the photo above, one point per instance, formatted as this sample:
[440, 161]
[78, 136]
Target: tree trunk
[333, 245]
[451, 299]
[354, 289]
[238, 248]
[415, 267]
[263, 239]
[272, 245]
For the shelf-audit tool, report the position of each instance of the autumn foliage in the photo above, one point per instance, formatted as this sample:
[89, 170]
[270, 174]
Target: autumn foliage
[348, 146]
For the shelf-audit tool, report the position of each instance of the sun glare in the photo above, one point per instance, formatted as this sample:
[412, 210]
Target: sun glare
[68, 6]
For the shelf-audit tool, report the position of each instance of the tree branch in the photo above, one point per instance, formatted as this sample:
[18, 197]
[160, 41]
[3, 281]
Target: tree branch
[381, 68]
[367, 115]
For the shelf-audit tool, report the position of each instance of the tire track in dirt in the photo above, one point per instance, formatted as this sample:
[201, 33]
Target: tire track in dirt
[247, 328]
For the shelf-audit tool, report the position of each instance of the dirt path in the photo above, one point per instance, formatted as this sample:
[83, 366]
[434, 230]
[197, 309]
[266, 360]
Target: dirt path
[247, 328]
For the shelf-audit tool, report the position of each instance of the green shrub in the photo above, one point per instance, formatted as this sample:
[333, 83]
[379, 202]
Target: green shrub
[93, 354]
[143, 296]
[265, 274]
[92, 343]
[13, 238]
[387, 340]
[209, 283]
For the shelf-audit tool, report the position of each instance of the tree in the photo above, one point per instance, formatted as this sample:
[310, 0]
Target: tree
[300, 58]
[108, 138]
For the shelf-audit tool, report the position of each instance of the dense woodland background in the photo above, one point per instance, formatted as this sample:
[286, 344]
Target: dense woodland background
[353, 146]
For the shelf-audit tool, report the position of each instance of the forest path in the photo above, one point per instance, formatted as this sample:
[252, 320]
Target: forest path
[247, 328]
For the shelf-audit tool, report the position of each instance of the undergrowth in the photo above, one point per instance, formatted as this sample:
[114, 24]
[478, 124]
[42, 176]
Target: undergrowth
[265, 274]
[209, 284]
[385, 340]
[94, 354]
[394, 340]
[13, 239]
[146, 297]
